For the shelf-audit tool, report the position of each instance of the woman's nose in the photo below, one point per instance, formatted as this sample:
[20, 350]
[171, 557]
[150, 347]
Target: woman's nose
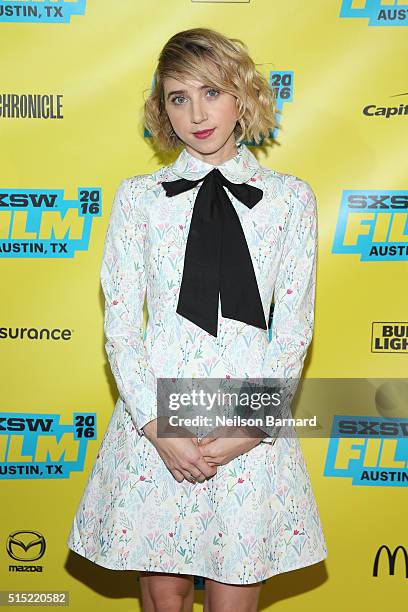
[198, 113]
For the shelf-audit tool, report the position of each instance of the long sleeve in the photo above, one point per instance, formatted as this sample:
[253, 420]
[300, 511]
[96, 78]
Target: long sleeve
[294, 295]
[123, 280]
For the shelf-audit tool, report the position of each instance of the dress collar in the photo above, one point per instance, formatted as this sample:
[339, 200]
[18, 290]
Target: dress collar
[238, 169]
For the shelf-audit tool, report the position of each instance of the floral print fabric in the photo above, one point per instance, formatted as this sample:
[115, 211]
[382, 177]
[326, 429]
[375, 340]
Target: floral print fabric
[257, 516]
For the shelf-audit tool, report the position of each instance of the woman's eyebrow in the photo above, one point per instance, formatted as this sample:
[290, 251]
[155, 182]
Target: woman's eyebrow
[183, 91]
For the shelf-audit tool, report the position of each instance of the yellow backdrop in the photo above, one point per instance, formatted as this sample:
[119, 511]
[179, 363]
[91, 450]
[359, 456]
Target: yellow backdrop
[73, 80]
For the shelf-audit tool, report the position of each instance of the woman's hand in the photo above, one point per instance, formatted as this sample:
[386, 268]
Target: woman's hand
[219, 450]
[181, 455]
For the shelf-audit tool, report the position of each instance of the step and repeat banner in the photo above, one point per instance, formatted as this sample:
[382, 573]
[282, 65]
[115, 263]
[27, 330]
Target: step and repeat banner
[74, 75]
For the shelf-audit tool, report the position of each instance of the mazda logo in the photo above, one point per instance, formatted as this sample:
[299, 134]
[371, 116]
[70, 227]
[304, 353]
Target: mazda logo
[26, 545]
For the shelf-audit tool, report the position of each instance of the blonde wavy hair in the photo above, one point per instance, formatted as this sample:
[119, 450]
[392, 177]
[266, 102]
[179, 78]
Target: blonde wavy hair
[193, 54]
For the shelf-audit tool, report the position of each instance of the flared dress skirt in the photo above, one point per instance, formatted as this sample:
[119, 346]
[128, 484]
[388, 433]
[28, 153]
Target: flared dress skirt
[255, 518]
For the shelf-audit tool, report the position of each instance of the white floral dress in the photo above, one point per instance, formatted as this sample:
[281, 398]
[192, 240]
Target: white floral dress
[257, 516]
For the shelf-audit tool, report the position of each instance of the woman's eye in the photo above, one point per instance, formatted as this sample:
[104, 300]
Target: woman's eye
[177, 98]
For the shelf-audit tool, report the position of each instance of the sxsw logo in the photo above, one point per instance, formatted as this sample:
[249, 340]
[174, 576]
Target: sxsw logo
[378, 12]
[372, 451]
[392, 556]
[374, 224]
[41, 11]
[42, 223]
[37, 446]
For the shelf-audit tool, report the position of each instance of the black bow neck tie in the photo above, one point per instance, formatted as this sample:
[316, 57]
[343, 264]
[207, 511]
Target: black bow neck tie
[217, 259]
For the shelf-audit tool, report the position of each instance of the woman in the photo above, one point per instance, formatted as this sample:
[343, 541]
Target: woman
[211, 238]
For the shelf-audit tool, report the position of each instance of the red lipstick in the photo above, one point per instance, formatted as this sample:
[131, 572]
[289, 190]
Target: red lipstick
[203, 133]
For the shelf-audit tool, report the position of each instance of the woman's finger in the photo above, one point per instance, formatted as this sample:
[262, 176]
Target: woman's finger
[177, 475]
[206, 440]
[188, 476]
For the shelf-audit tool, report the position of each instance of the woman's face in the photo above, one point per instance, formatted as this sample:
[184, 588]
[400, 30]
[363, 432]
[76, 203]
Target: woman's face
[193, 107]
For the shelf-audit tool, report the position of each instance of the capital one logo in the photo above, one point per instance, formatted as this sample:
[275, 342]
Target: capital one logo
[391, 559]
[25, 545]
[378, 12]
